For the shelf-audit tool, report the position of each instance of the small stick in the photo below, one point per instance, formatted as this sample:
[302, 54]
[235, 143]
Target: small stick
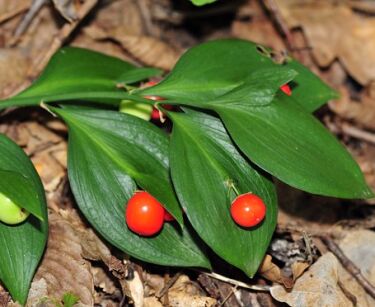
[358, 133]
[234, 289]
[237, 282]
[169, 284]
[26, 20]
[349, 265]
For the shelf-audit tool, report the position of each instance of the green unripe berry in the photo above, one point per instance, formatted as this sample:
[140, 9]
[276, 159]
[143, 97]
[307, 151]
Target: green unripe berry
[10, 213]
[141, 110]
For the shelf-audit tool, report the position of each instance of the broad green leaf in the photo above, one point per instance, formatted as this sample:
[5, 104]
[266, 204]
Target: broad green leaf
[257, 89]
[22, 245]
[204, 163]
[213, 69]
[139, 74]
[202, 2]
[109, 153]
[295, 147]
[308, 90]
[75, 73]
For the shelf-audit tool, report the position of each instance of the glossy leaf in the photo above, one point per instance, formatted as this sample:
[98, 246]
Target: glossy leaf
[213, 69]
[139, 74]
[75, 73]
[295, 147]
[22, 245]
[109, 153]
[204, 163]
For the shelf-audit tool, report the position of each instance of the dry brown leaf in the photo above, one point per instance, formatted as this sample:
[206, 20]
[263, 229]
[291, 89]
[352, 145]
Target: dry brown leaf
[272, 272]
[39, 34]
[63, 269]
[104, 281]
[180, 299]
[252, 24]
[148, 50]
[151, 302]
[153, 283]
[121, 14]
[13, 67]
[362, 112]
[298, 268]
[184, 293]
[358, 246]
[136, 291]
[333, 30]
[12, 7]
[316, 288]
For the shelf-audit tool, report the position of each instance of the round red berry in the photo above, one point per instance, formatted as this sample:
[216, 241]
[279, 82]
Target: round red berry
[168, 217]
[286, 89]
[144, 215]
[248, 210]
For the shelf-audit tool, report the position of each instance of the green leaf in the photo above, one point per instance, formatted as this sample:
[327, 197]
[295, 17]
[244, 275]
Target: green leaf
[213, 69]
[109, 152]
[202, 2]
[21, 245]
[308, 90]
[204, 163]
[139, 74]
[75, 73]
[292, 145]
[257, 89]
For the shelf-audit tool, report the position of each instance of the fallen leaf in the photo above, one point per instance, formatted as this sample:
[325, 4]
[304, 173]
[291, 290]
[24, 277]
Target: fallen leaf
[298, 268]
[136, 291]
[350, 36]
[146, 49]
[272, 272]
[362, 112]
[317, 287]
[252, 24]
[62, 269]
[152, 302]
[13, 65]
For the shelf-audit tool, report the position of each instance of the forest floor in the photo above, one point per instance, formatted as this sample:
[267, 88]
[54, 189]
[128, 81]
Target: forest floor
[320, 245]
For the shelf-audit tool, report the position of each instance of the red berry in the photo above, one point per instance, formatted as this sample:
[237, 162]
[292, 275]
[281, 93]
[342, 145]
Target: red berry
[286, 89]
[144, 215]
[248, 210]
[150, 83]
[168, 217]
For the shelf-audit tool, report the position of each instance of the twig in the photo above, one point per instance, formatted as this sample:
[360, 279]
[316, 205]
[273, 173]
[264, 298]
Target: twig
[358, 133]
[234, 289]
[9, 15]
[237, 282]
[169, 284]
[26, 20]
[349, 265]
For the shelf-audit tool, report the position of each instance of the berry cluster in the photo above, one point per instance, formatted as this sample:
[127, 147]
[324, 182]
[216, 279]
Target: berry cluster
[145, 216]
